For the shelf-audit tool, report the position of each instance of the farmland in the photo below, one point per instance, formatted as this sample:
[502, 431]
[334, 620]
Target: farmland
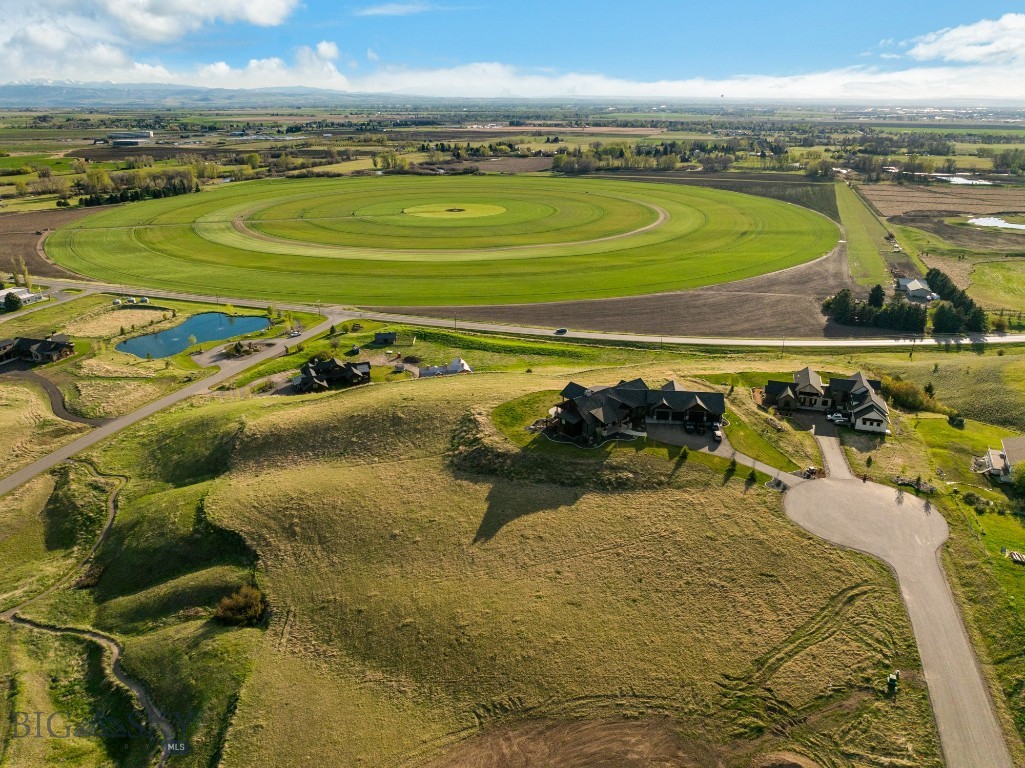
[530, 239]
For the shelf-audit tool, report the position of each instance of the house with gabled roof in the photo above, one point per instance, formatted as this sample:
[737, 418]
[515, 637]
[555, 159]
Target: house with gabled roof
[592, 413]
[324, 374]
[916, 288]
[48, 350]
[999, 464]
[857, 397]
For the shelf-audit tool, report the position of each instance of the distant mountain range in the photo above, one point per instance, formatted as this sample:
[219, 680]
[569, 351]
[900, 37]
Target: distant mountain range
[35, 95]
[38, 94]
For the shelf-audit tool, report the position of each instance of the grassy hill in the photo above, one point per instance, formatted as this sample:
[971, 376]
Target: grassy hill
[431, 584]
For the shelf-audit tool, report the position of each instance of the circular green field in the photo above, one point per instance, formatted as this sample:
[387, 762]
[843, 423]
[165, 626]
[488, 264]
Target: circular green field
[410, 240]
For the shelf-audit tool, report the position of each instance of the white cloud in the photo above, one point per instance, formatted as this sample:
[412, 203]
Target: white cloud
[82, 43]
[327, 51]
[987, 41]
[395, 9]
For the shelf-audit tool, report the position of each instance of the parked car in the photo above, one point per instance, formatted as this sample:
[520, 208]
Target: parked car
[834, 416]
[144, 300]
[117, 302]
[841, 422]
[688, 426]
[717, 435]
[293, 334]
[561, 331]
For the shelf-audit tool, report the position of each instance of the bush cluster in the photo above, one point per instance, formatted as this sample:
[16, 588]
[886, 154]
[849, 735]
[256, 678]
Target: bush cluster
[245, 608]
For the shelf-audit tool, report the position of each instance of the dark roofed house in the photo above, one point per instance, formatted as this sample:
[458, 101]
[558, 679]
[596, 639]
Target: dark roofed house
[856, 397]
[628, 407]
[36, 350]
[323, 374]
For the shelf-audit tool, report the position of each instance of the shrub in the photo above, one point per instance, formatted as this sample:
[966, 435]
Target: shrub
[907, 395]
[245, 608]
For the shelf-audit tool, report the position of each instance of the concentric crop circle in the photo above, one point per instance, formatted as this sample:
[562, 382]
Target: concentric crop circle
[407, 240]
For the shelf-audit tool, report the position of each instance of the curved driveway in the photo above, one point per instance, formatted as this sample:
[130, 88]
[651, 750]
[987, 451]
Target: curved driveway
[903, 531]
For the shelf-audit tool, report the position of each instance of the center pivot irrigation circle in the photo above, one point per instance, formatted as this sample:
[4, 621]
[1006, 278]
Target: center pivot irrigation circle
[410, 240]
[453, 211]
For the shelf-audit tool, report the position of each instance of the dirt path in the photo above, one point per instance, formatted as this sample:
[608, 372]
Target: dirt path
[908, 534]
[114, 650]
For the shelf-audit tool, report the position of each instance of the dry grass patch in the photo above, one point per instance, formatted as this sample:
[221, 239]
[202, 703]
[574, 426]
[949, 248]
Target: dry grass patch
[103, 398]
[28, 428]
[111, 322]
[120, 368]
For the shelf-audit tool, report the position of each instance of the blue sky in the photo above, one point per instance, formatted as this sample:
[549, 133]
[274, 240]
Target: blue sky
[651, 50]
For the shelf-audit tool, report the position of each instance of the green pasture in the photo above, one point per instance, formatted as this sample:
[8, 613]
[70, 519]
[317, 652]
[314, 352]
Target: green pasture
[866, 239]
[354, 241]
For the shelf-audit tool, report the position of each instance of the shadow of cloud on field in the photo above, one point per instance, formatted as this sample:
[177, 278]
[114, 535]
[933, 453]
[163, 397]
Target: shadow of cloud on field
[508, 502]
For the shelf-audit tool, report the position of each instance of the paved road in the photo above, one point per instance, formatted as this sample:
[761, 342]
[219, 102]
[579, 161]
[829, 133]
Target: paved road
[21, 371]
[904, 532]
[228, 369]
[345, 313]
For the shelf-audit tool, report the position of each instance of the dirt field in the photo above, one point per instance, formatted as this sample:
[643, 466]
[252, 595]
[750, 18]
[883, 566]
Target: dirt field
[506, 164]
[894, 200]
[19, 237]
[596, 744]
[786, 303]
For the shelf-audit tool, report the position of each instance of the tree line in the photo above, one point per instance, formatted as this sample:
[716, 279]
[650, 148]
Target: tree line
[957, 313]
[898, 315]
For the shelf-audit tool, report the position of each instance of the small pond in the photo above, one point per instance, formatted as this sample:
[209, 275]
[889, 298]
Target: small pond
[209, 326]
[993, 221]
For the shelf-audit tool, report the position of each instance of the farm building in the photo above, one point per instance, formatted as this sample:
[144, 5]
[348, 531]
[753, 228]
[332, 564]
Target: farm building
[385, 338]
[916, 289]
[26, 296]
[324, 374]
[456, 366]
[856, 397]
[36, 350]
[593, 413]
[999, 465]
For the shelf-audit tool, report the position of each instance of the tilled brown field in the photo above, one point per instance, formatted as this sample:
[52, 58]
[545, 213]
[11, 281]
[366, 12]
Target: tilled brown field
[20, 233]
[786, 303]
[896, 200]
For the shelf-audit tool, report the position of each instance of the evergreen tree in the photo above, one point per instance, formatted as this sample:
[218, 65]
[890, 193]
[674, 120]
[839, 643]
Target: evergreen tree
[877, 296]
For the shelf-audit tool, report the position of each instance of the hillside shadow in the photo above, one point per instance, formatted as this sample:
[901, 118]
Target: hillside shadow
[508, 502]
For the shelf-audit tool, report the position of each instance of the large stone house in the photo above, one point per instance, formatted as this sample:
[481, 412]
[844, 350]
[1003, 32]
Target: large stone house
[593, 413]
[36, 350]
[323, 374]
[856, 397]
